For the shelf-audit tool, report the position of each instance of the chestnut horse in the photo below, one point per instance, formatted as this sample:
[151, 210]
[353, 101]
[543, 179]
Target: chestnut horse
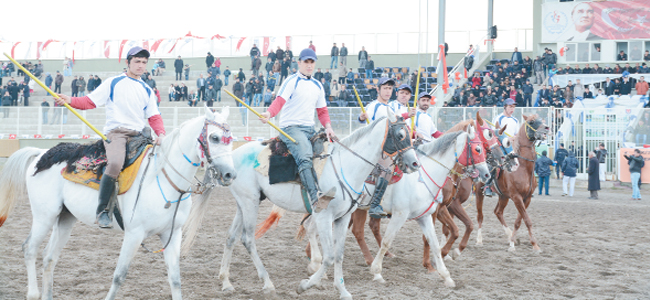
[517, 185]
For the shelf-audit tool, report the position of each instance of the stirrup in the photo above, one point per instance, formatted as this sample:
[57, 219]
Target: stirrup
[324, 200]
[104, 220]
[378, 212]
[487, 192]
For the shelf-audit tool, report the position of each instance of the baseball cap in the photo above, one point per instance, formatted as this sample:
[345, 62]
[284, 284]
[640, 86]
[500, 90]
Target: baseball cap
[385, 80]
[405, 87]
[308, 54]
[135, 50]
[424, 94]
[508, 101]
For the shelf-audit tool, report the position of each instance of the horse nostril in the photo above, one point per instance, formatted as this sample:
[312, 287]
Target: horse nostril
[227, 176]
[416, 164]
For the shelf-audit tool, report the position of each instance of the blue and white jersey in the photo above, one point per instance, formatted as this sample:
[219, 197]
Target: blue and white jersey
[424, 124]
[376, 110]
[398, 108]
[512, 122]
[303, 96]
[129, 102]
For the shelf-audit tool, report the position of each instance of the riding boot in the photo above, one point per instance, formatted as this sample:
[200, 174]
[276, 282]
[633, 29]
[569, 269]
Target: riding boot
[318, 200]
[487, 191]
[106, 191]
[376, 211]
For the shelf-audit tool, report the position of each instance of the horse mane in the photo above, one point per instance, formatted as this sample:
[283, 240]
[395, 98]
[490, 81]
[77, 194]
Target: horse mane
[442, 144]
[68, 153]
[359, 133]
[462, 125]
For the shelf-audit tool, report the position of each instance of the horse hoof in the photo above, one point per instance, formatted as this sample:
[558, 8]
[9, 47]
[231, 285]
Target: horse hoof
[35, 296]
[479, 243]
[302, 286]
[537, 250]
[455, 254]
[448, 258]
[389, 254]
[346, 297]
[432, 271]
[379, 278]
[270, 293]
[228, 289]
[511, 249]
[450, 283]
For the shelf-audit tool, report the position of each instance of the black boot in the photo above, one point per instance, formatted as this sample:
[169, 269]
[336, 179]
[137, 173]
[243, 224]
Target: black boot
[376, 211]
[318, 200]
[106, 191]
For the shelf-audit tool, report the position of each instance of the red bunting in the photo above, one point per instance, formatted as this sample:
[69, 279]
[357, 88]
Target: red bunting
[176, 42]
[266, 46]
[145, 45]
[73, 46]
[122, 43]
[189, 34]
[14, 48]
[107, 49]
[241, 40]
[156, 44]
[218, 37]
[288, 42]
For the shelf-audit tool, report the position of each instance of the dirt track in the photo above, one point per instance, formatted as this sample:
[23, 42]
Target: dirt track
[591, 250]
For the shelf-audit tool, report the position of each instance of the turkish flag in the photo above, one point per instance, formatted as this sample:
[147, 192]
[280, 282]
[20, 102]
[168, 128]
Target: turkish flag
[122, 43]
[241, 40]
[12, 136]
[288, 42]
[107, 49]
[61, 136]
[37, 136]
[265, 52]
[145, 45]
[85, 136]
[246, 138]
[156, 44]
[14, 48]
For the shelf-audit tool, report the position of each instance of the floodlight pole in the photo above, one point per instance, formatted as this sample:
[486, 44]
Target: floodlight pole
[490, 24]
[441, 41]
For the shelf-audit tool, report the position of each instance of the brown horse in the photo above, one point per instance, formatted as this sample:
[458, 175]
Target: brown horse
[518, 185]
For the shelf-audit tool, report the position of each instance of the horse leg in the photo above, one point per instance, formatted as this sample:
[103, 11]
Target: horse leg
[58, 239]
[395, 224]
[358, 229]
[446, 220]
[456, 209]
[248, 239]
[172, 260]
[375, 226]
[479, 213]
[523, 214]
[40, 227]
[233, 233]
[130, 245]
[430, 233]
[316, 257]
[340, 231]
[324, 225]
[426, 259]
[498, 211]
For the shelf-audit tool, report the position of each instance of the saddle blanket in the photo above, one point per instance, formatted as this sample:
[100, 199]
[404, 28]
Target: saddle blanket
[89, 178]
[397, 175]
[264, 157]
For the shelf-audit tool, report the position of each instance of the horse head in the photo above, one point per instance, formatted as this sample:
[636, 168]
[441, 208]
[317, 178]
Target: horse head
[535, 128]
[398, 144]
[495, 153]
[215, 143]
[472, 155]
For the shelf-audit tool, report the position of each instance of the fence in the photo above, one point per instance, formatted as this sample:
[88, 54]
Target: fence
[617, 127]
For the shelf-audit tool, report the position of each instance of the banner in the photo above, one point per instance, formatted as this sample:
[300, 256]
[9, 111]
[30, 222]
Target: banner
[241, 40]
[107, 48]
[624, 168]
[119, 55]
[287, 42]
[595, 20]
[265, 51]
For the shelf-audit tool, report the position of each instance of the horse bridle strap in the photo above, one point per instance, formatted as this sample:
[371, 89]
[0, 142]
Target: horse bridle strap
[377, 165]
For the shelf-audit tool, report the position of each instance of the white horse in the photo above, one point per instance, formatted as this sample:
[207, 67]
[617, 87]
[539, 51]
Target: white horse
[412, 198]
[251, 186]
[57, 203]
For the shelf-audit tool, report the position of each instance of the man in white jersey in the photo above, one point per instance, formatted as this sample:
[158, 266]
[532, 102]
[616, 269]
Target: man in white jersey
[128, 100]
[375, 110]
[298, 97]
[401, 105]
[505, 118]
[425, 128]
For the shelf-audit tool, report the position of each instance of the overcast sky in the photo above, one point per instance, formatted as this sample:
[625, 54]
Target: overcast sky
[76, 20]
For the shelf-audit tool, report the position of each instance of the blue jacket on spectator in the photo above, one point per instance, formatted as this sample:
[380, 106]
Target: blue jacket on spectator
[543, 166]
[570, 165]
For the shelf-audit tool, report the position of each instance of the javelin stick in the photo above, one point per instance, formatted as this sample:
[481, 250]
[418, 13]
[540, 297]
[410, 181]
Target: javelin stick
[56, 96]
[363, 110]
[415, 100]
[259, 115]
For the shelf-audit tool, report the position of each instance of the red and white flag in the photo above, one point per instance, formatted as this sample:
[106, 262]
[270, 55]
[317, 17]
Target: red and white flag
[156, 44]
[288, 42]
[241, 40]
[122, 43]
[145, 45]
[107, 48]
[265, 50]
[14, 48]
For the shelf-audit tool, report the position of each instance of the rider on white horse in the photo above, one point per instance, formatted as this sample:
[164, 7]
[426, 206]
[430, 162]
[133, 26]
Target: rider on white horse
[504, 119]
[425, 128]
[299, 95]
[401, 105]
[126, 97]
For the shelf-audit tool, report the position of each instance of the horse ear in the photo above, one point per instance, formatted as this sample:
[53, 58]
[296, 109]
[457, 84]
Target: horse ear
[525, 117]
[502, 129]
[472, 131]
[209, 115]
[225, 112]
[391, 115]
[479, 120]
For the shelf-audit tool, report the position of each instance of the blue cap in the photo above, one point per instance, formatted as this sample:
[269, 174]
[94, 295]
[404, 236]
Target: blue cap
[385, 80]
[509, 101]
[135, 50]
[405, 87]
[424, 94]
[308, 54]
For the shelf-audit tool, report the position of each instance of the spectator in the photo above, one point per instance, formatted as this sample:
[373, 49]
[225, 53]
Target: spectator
[67, 67]
[626, 86]
[238, 90]
[543, 170]
[636, 163]
[326, 88]
[344, 55]
[200, 87]
[81, 86]
[642, 129]
[516, 57]
[161, 69]
[255, 52]
[594, 183]
[311, 46]
[48, 80]
[335, 90]
[257, 63]
[579, 89]
[635, 53]
[538, 66]
[226, 75]
[6, 102]
[363, 57]
[569, 170]
[157, 92]
[279, 54]
[218, 84]
[211, 94]
[268, 98]
[258, 87]
[327, 75]
[272, 80]
[343, 72]
[171, 91]
[240, 76]
[601, 154]
[334, 57]
[184, 92]
[178, 67]
[641, 86]
[45, 107]
[209, 60]
[90, 86]
[588, 94]
[288, 53]
[370, 65]
[646, 56]
[192, 99]
[609, 87]
[187, 71]
[74, 87]
[560, 155]
[269, 66]
[621, 56]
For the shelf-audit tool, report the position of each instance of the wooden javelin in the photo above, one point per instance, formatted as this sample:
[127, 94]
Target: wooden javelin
[415, 100]
[363, 110]
[56, 96]
[259, 115]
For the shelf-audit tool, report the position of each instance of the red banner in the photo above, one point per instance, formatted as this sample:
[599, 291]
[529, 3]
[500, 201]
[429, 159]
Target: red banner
[145, 45]
[107, 49]
[595, 20]
[156, 44]
[172, 49]
[122, 43]
[288, 42]
[265, 50]
[241, 40]
[14, 48]
[218, 37]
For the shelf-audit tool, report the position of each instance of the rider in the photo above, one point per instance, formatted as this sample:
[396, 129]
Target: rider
[401, 105]
[299, 95]
[128, 100]
[425, 128]
[512, 128]
[375, 110]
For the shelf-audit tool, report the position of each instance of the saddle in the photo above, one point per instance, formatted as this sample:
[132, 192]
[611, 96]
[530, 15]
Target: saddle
[397, 175]
[86, 162]
[276, 161]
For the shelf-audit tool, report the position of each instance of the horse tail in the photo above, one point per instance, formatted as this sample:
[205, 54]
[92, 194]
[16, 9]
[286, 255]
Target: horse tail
[194, 220]
[273, 219]
[300, 235]
[12, 179]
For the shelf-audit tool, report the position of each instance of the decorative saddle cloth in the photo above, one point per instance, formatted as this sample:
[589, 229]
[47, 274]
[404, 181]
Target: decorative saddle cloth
[276, 162]
[397, 175]
[86, 162]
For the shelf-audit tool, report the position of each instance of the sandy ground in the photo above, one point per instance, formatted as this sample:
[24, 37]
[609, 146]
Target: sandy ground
[591, 250]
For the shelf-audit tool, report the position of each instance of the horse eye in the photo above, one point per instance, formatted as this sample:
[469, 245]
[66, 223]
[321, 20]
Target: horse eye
[214, 138]
[487, 134]
[478, 149]
[402, 134]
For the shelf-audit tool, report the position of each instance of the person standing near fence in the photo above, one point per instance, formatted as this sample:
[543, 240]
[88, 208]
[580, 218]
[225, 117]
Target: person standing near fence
[560, 155]
[569, 170]
[636, 163]
[543, 170]
[601, 154]
[594, 182]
